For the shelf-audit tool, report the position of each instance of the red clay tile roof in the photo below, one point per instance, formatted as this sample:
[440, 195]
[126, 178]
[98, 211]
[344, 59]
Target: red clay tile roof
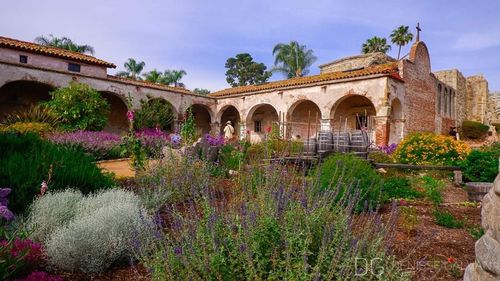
[51, 51]
[388, 69]
[150, 85]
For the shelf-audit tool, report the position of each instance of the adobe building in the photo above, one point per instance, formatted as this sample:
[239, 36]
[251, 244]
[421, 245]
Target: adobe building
[373, 92]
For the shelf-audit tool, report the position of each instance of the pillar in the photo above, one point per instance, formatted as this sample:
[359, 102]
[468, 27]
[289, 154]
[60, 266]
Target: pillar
[382, 130]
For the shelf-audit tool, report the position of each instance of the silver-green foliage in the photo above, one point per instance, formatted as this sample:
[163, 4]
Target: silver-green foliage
[100, 232]
[52, 211]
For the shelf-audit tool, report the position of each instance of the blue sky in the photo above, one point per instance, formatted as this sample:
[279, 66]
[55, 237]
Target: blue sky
[198, 36]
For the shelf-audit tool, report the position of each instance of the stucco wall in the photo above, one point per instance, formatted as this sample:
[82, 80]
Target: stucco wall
[36, 60]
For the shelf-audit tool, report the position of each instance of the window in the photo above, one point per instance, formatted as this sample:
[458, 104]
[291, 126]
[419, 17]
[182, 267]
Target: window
[74, 67]
[258, 126]
[23, 59]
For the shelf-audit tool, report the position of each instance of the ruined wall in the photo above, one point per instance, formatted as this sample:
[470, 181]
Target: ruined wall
[477, 98]
[487, 265]
[355, 62]
[455, 79]
[420, 92]
[493, 109]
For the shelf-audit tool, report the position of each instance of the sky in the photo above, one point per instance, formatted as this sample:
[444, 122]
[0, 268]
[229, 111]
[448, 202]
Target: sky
[199, 36]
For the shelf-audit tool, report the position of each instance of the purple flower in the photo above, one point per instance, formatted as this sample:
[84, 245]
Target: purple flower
[90, 141]
[3, 196]
[40, 276]
[175, 138]
[6, 213]
[388, 149]
[217, 140]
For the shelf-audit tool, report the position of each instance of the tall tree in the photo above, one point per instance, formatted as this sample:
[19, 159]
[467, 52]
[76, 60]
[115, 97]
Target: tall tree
[64, 43]
[155, 76]
[200, 91]
[401, 36]
[132, 69]
[174, 77]
[292, 59]
[242, 70]
[375, 44]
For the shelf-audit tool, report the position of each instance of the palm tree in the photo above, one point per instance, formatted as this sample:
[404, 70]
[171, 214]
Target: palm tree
[292, 59]
[155, 76]
[133, 69]
[64, 43]
[375, 44]
[174, 77]
[401, 36]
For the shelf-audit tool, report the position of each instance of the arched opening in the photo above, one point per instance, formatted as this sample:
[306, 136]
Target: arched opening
[156, 113]
[19, 95]
[202, 118]
[353, 112]
[303, 120]
[117, 117]
[260, 120]
[230, 113]
[397, 122]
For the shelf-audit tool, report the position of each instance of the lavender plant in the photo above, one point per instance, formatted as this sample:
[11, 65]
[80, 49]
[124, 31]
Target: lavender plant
[275, 224]
[101, 145]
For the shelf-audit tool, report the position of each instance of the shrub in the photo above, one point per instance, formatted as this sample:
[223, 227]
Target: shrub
[175, 178]
[40, 276]
[283, 230]
[154, 113]
[340, 172]
[100, 145]
[188, 129]
[28, 160]
[481, 165]
[100, 233]
[32, 127]
[446, 219]
[153, 140]
[432, 189]
[380, 157]
[399, 187]
[430, 149]
[33, 114]
[19, 256]
[80, 107]
[52, 211]
[474, 130]
[408, 219]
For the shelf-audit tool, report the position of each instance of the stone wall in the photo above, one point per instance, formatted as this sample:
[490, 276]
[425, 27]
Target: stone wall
[477, 98]
[355, 62]
[487, 265]
[455, 79]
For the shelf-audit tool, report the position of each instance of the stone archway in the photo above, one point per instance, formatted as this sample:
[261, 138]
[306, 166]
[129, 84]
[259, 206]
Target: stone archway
[202, 118]
[303, 119]
[229, 113]
[260, 120]
[117, 117]
[20, 94]
[353, 112]
[397, 122]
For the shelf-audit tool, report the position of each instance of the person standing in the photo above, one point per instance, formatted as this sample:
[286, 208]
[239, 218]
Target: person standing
[228, 131]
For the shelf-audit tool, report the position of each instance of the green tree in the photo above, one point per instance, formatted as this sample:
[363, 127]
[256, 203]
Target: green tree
[155, 76]
[374, 45]
[154, 113]
[64, 43]
[401, 36]
[133, 69]
[174, 77]
[292, 59]
[80, 107]
[201, 92]
[242, 70]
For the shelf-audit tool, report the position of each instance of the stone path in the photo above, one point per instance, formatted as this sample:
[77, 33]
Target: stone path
[121, 168]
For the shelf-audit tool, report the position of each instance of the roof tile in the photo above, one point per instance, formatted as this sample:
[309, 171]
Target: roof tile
[51, 51]
[388, 69]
